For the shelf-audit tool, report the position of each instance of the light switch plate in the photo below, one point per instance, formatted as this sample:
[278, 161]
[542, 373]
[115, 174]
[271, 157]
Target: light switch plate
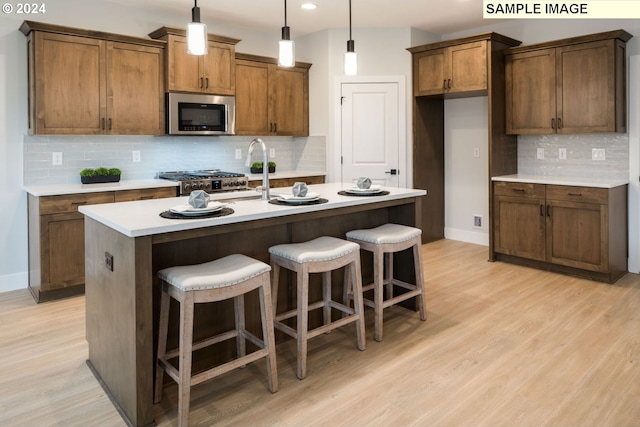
[562, 153]
[238, 153]
[597, 154]
[135, 156]
[272, 153]
[540, 154]
[476, 152]
[56, 158]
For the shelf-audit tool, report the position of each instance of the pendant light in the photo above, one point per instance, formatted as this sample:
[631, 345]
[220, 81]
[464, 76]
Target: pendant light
[197, 42]
[350, 56]
[286, 47]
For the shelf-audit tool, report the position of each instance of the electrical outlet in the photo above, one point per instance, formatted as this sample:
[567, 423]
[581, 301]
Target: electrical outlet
[562, 153]
[135, 156]
[476, 152]
[56, 158]
[597, 154]
[272, 153]
[477, 221]
[108, 261]
[238, 153]
[540, 154]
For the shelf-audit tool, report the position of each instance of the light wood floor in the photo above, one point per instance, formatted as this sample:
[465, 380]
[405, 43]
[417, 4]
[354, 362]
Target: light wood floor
[503, 346]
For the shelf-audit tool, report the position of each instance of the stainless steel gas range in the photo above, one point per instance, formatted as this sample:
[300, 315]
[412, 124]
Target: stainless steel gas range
[211, 180]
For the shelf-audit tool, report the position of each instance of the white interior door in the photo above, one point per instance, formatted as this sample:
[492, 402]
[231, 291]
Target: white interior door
[370, 133]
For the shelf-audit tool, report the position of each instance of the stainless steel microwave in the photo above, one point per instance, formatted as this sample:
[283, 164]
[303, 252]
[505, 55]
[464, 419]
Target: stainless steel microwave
[200, 114]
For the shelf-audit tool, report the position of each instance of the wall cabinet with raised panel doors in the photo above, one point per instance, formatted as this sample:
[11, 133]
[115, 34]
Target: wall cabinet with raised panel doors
[213, 73]
[569, 86]
[570, 229]
[458, 67]
[91, 83]
[56, 238]
[271, 100]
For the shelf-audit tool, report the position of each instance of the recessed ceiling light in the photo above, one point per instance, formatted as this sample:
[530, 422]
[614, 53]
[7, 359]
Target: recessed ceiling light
[309, 6]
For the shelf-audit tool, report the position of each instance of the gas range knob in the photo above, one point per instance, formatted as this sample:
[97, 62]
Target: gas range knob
[207, 185]
[187, 187]
[201, 186]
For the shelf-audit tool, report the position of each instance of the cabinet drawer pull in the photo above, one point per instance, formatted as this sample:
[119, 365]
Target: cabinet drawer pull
[78, 203]
[518, 190]
[575, 194]
[145, 197]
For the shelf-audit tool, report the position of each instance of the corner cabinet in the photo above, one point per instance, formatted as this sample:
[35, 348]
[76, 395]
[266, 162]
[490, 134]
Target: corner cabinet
[213, 73]
[569, 229]
[271, 100]
[568, 86]
[56, 238]
[91, 83]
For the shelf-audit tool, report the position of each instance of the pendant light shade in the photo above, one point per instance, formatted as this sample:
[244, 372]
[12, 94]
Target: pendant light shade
[286, 47]
[197, 43]
[350, 56]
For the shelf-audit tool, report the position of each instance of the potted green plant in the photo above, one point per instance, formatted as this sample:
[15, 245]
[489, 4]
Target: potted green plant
[98, 175]
[272, 167]
[256, 167]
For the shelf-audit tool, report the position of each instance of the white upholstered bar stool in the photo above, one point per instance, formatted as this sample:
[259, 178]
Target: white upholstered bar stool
[321, 255]
[230, 277]
[383, 241]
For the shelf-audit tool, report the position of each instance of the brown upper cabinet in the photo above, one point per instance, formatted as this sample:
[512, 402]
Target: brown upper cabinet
[569, 86]
[452, 69]
[92, 83]
[271, 100]
[213, 73]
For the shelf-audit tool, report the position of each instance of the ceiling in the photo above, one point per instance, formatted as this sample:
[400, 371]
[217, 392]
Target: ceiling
[435, 16]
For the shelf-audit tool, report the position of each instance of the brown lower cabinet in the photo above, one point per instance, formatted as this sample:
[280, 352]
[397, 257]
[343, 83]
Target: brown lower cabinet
[288, 182]
[56, 238]
[569, 229]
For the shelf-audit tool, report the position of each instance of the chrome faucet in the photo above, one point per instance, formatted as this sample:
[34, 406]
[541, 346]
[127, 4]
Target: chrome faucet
[265, 165]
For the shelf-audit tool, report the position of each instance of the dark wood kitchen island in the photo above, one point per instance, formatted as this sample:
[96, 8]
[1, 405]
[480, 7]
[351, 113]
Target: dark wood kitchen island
[127, 243]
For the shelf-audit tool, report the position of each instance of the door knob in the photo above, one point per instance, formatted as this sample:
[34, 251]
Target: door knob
[393, 172]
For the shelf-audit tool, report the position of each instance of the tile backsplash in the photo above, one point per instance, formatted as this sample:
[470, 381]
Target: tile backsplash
[579, 162]
[160, 154]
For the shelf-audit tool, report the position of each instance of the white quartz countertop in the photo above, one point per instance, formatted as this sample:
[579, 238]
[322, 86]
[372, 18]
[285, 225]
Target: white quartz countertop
[285, 174]
[132, 184]
[142, 218]
[562, 180]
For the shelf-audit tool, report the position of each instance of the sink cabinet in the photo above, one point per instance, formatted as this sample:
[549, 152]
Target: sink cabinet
[213, 73]
[271, 100]
[91, 83]
[56, 238]
[577, 230]
[568, 86]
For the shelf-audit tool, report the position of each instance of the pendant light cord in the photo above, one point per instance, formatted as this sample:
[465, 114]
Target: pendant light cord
[350, 38]
[285, 13]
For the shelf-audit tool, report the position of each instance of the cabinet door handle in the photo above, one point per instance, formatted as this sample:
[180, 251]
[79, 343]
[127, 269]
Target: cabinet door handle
[559, 123]
[449, 83]
[444, 84]
[275, 127]
[548, 210]
[110, 124]
[207, 83]
[553, 123]
[102, 125]
[201, 82]
[541, 210]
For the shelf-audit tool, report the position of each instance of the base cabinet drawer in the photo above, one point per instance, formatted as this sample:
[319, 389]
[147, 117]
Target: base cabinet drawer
[571, 229]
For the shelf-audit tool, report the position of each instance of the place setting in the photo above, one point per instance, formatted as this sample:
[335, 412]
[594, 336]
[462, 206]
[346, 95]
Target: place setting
[300, 195]
[363, 188]
[199, 206]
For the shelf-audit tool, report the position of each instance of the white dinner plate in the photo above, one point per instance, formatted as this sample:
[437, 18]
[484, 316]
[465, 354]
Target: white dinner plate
[309, 197]
[188, 210]
[371, 190]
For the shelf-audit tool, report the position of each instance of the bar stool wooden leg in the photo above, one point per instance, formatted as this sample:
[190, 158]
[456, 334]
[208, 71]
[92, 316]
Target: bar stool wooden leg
[186, 344]
[241, 342]
[417, 259]
[275, 280]
[163, 328]
[358, 302]
[303, 320]
[378, 292]
[266, 313]
[326, 297]
[389, 277]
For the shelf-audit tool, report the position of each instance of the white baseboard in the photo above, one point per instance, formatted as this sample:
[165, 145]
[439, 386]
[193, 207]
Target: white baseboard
[12, 282]
[477, 237]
